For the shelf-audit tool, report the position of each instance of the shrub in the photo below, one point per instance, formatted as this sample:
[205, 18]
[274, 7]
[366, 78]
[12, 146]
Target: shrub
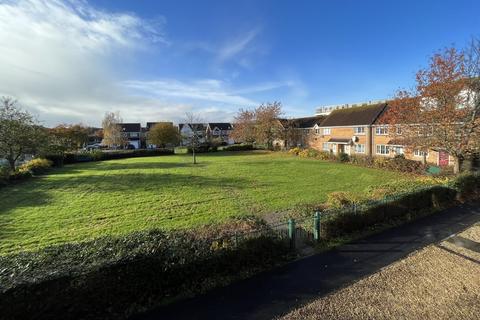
[239, 147]
[362, 160]
[36, 166]
[399, 163]
[112, 277]
[4, 175]
[467, 185]
[343, 157]
[20, 175]
[405, 206]
[295, 151]
[341, 199]
[57, 159]
[380, 162]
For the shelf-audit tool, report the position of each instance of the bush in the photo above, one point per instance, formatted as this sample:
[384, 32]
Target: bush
[4, 175]
[36, 166]
[239, 147]
[343, 157]
[341, 199]
[20, 175]
[467, 185]
[113, 277]
[399, 163]
[404, 207]
[99, 155]
[295, 151]
[57, 159]
[362, 160]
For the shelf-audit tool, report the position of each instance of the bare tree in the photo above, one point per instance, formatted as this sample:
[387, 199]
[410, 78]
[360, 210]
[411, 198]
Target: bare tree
[19, 132]
[112, 132]
[195, 135]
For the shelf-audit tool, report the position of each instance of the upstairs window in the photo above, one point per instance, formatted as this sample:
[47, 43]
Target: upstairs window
[327, 131]
[381, 131]
[359, 130]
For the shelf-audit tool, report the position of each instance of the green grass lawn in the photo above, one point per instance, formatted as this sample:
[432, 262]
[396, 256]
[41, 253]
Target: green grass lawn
[87, 200]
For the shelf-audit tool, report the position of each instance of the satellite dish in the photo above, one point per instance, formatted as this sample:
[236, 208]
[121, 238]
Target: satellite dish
[354, 139]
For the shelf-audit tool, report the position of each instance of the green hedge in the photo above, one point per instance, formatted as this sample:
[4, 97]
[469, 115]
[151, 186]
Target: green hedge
[99, 155]
[238, 147]
[404, 206]
[116, 277]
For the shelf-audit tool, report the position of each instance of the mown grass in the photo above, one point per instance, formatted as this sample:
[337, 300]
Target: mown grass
[83, 201]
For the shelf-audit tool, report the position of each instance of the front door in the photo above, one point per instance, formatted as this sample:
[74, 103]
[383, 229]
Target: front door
[341, 148]
[442, 158]
[347, 149]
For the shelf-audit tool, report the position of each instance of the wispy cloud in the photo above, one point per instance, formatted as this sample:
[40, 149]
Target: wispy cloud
[235, 47]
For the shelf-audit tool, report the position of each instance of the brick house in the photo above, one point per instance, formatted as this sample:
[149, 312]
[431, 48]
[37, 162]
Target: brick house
[297, 131]
[347, 130]
[132, 132]
[220, 130]
[358, 130]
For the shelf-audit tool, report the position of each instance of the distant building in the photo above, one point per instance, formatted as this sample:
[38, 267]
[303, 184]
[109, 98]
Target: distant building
[220, 131]
[133, 134]
[326, 110]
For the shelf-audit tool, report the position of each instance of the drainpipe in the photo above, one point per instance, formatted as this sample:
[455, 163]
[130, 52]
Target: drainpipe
[369, 142]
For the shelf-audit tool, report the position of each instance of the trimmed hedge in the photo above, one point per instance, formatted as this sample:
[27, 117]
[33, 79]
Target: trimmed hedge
[112, 278]
[238, 147]
[99, 155]
[402, 207]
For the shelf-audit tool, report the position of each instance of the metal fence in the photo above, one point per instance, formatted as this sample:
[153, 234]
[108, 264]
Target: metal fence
[299, 233]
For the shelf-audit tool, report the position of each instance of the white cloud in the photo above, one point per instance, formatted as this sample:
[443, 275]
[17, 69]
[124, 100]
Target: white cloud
[236, 46]
[64, 60]
[60, 58]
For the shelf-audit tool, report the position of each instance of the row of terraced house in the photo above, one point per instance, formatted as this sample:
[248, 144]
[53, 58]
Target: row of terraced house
[356, 130]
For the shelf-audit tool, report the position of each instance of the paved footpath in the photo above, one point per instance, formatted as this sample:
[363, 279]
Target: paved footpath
[273, 293]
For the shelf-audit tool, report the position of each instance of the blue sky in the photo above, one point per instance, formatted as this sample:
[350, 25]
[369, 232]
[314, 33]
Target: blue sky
[71, 61]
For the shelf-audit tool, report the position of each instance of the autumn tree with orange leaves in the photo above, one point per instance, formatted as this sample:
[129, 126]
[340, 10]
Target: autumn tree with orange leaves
[442, 112]
[260, 125]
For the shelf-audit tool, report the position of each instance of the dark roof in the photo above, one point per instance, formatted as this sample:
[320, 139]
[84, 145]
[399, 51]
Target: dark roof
[131, 127]
[358, 116]
[220, 125]
[193, 126]
[339, 140]
[151, 124]
[301, 123]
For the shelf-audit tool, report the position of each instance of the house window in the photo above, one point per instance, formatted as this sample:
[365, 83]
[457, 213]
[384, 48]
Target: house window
[398, 150]
[317, 131]
[383, 149]
[325, 146]
[359, 148]
[420, 153]
[359, 130]
[133, 134]
[398, 130]
[327, 131]
[381, 131]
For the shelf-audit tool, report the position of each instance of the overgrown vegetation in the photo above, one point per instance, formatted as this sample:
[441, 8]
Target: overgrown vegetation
[398, 163]
[113, 277]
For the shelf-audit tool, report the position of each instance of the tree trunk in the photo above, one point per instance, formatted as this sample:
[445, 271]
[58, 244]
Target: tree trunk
[194, 156]
[457, 165]
[11, 162]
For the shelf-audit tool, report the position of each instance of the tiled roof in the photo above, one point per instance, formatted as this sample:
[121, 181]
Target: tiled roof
[358, 116]
[220, 125]
[302, 123]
